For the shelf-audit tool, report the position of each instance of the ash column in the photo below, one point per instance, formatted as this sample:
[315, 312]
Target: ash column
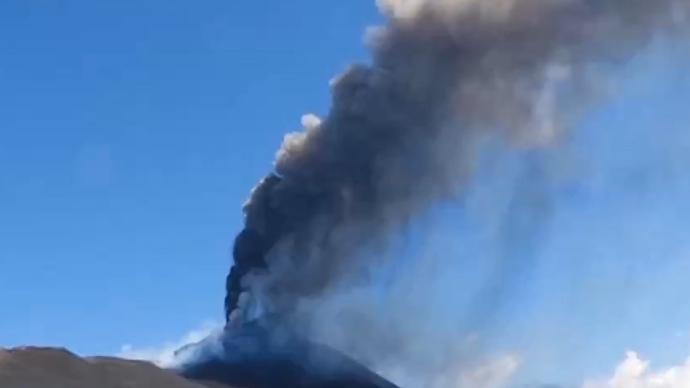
[263, 226]
[248, 255]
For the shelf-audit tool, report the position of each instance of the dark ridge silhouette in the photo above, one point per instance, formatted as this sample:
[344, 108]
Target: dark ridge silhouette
[258, 356]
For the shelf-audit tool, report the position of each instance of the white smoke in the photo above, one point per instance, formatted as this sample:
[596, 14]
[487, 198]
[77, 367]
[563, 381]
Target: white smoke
[634, 372]
[166, 355]
[495, 372]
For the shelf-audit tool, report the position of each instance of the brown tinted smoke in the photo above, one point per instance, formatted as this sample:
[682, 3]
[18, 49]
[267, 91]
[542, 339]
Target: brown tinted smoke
[403, 132]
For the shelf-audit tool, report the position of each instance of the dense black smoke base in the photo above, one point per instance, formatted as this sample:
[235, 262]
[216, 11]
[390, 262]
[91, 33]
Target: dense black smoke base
[403, 132]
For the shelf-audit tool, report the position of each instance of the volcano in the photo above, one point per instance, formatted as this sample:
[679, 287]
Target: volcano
[255, 356]
[261, 355]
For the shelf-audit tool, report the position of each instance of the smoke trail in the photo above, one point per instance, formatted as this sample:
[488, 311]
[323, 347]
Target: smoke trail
[404, 131]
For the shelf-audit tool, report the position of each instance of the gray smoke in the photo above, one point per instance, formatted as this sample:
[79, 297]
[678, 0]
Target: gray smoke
[404, 131]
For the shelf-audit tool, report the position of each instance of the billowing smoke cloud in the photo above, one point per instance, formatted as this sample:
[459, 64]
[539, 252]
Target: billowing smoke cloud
[404, 131]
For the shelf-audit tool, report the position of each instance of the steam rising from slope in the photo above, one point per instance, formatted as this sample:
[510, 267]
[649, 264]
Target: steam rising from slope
[404, 131]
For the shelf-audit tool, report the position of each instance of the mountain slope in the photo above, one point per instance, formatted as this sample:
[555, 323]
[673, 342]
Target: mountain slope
[264, 355]
[33, 367]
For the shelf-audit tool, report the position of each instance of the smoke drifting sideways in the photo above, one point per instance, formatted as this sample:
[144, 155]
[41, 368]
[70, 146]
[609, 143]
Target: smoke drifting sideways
[405, 130]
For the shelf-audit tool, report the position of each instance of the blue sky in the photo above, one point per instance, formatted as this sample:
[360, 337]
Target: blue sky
[131, 132]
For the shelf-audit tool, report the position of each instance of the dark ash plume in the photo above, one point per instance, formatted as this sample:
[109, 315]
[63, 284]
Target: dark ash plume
[404, 131]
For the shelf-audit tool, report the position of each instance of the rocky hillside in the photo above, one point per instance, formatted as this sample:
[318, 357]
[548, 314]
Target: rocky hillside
[33, 367]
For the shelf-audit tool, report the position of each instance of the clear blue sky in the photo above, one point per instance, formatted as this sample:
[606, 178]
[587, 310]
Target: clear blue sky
[132, 131]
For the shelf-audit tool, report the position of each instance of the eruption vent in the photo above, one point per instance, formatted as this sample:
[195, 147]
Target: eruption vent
[403, 132]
